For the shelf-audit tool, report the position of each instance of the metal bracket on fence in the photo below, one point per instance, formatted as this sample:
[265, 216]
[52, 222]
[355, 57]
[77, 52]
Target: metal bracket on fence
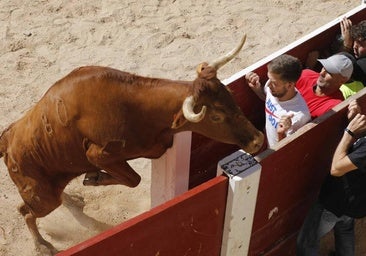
[238, 164]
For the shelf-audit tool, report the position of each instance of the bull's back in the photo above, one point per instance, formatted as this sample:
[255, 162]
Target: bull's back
[93, 101]
[51, 135]
[105, 105]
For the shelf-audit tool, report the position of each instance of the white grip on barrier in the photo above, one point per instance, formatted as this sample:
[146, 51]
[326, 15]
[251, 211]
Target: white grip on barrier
[244, 174]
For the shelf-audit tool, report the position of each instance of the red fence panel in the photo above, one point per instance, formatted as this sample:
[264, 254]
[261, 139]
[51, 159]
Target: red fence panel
[190, 224]
[291, 178]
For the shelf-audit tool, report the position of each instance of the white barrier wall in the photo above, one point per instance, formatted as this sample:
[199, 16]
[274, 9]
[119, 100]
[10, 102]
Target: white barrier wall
[244, 174]
[170, 173]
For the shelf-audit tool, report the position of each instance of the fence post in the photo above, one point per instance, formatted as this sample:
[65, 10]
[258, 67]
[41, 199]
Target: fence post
[170, 173]
[244, 175]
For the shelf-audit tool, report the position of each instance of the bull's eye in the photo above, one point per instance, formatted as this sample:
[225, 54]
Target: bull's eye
[217, 118]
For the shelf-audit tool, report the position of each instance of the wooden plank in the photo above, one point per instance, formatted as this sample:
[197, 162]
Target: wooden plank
[170, 172]
[284, 248]
[190, 224]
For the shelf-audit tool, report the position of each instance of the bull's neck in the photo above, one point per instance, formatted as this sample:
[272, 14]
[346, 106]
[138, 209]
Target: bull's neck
[175, 92]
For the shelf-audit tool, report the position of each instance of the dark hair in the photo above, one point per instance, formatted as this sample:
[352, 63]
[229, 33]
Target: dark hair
[287, 67]
[359, 31]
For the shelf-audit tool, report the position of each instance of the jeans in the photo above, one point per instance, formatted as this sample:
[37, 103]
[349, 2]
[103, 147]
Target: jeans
[318, 223]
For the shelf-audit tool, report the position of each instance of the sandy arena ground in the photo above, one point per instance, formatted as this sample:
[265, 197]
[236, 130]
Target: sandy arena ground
[44, 40]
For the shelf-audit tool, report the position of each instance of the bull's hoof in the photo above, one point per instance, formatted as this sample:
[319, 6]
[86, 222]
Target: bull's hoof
[45, 248]
[100, 178]
[91, 179]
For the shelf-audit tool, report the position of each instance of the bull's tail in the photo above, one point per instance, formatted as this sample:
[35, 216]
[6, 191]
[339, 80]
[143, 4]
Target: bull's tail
[4, 142]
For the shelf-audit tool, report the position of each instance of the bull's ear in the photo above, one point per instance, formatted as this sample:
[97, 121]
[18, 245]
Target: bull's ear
[206, 72]
[201, 67]
[179, 120]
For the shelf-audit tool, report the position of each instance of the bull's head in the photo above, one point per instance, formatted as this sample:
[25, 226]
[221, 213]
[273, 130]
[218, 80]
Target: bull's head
[212, 111]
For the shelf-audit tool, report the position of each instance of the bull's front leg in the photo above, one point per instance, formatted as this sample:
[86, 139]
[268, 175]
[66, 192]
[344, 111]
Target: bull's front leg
[117, 171]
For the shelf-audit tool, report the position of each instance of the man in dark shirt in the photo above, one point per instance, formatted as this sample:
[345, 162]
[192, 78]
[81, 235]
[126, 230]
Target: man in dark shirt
[354, 41]
[343, 194]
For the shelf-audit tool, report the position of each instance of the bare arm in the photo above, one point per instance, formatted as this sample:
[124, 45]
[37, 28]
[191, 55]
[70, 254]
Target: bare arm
[341, 163]
[253, 82]
[346, 25]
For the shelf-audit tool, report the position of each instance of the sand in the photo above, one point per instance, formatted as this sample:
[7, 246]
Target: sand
[42, 41]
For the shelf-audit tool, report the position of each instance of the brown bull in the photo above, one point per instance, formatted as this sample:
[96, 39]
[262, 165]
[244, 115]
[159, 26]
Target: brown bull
[98, 118]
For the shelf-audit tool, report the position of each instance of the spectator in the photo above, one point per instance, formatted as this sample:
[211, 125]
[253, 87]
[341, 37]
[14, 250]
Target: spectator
[353, 85]
[343, 194]
[349, 88]
[285, 109]
[358, 36]
[352, 43]
[353, 38]
[321, 90]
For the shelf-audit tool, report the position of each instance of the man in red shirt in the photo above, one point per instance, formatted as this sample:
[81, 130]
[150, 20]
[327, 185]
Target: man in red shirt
[321, 90]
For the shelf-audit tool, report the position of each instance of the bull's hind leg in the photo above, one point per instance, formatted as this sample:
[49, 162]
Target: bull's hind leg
[39, 241]
[117, 171]
[40, 198]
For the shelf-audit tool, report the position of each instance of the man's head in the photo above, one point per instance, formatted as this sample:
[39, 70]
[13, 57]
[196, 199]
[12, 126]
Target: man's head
[337, 70]
[358, 33]
[283, 72]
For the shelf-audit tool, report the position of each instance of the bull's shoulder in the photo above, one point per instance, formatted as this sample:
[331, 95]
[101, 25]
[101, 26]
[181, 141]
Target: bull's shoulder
[100, 72]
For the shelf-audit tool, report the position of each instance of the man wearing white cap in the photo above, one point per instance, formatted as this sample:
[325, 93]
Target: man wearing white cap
[321, 90]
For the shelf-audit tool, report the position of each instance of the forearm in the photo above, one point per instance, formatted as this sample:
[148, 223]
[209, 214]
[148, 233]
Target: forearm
[255, 84]
[338, 167]
[260, 92]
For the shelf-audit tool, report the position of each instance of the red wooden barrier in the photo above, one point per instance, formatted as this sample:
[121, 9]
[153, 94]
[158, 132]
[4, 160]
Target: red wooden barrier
[190, 224]
[291, 178]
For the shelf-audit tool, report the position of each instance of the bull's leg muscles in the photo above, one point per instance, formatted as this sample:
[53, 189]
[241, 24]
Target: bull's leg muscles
[40, 198]
[116, 169]
[39, 241]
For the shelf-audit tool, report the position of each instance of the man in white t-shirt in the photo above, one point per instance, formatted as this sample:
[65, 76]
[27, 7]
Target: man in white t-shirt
[286, 110]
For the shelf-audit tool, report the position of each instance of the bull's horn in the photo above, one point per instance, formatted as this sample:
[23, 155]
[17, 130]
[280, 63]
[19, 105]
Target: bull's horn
[229, 56]
[188, 112]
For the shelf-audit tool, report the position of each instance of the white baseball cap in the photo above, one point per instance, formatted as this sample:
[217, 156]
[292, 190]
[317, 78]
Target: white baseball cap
[338, 64]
